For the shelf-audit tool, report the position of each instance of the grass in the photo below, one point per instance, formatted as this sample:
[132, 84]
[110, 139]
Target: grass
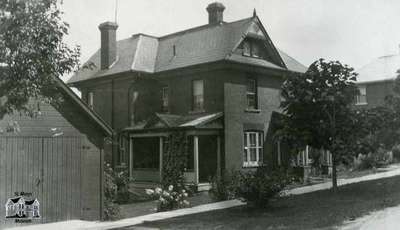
[317, 210]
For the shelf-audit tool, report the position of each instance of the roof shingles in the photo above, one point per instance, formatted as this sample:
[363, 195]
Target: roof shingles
[204, 44]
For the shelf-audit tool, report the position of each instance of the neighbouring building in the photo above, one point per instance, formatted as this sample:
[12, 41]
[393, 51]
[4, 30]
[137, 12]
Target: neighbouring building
[219, 83]
[375, 80]
[56, 156]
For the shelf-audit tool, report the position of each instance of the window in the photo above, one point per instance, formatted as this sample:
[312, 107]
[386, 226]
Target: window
[90, 99]
[165, 99]
[251, 93]
[252, 49]
[253, 148]
[246, 48]
[361, 98]
[198, 95]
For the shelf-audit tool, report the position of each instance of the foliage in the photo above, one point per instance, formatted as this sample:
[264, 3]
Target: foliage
[111, 210]
[378, 159]
[222, 188]
[122, 181]
[32, 53]
[318, 110]
[260, 186]
[175, 160]
[396, 152]
[169, 199]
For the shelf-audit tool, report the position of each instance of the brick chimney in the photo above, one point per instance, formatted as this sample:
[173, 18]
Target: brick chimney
[215, 12]
[108, 48]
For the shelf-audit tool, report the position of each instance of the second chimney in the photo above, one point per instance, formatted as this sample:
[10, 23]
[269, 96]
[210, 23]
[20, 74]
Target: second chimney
[108, 50]
[215, 13]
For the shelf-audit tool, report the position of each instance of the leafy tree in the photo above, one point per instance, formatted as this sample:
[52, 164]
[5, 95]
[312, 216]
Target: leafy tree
[318, 110]
[32, 53]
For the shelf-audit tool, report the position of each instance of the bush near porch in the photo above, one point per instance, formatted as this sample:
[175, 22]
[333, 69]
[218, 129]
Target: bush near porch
[256, 187]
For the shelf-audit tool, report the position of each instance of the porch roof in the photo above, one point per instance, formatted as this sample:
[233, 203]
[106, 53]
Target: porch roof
[174, 122]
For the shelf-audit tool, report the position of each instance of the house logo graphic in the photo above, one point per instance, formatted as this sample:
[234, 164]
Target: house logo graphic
[20, 208]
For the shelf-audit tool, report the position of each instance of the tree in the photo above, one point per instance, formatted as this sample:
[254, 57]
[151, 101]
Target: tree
[32, 53]
[318, 110]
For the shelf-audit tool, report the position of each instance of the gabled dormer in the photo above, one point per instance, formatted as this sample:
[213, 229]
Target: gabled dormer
[256, 43]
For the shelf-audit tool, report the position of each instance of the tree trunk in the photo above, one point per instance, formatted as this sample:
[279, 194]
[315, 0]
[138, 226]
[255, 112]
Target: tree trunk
[334, 175]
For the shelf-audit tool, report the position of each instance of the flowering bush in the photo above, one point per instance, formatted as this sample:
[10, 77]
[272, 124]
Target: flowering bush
[169, 199]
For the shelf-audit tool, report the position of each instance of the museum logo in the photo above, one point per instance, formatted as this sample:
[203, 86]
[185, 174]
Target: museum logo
[21, 209]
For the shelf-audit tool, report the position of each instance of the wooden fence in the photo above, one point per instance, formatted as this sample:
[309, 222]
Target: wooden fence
[53, 169]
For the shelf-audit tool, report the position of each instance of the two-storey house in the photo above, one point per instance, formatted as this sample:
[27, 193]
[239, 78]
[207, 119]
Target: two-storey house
[219, 83]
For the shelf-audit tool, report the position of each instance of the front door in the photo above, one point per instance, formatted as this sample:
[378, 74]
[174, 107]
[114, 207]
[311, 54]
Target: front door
[207, 158]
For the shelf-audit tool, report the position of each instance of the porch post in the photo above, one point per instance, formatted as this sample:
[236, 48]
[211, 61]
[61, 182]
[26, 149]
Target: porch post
[161, 157]
[130, 156]
[279, 153]
[196, 158]
[219, 156]
[306, 162]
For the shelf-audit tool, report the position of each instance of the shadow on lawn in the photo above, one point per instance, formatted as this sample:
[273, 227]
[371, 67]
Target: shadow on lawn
[318, 210]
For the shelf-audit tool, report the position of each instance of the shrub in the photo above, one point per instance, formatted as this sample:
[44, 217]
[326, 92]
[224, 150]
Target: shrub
[396, 152]
[381, 158]
[111, 210]
[259, 186]
[169, 199]
[222, 188]
[122, 181]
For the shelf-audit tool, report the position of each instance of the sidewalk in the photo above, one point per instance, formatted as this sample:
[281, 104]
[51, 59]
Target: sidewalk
[393, 170]
[78, 224]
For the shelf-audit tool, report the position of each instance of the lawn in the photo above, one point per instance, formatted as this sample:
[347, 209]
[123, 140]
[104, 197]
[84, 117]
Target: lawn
[322, 210]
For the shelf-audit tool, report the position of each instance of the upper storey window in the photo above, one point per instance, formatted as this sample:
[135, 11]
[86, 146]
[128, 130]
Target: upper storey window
[251, 93]
[165, 101]
[361, 98]
[198, 95]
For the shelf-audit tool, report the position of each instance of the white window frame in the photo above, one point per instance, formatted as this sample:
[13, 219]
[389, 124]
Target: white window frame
[259, 137]
[90, 99]
[361, 99]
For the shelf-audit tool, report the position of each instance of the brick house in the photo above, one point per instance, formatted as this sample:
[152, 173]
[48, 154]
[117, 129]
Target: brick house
[219, 83]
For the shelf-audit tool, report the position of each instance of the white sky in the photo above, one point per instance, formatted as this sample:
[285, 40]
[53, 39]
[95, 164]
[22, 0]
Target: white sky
[351, 31]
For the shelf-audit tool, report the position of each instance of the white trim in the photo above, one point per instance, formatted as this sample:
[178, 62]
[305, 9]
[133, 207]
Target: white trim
[161, 157]
[130, 157]
[196, 158]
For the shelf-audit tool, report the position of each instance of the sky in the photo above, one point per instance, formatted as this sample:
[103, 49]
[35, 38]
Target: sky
[351, 31]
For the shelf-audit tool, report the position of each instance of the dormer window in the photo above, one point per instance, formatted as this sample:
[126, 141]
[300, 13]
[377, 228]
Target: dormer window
[252, 48]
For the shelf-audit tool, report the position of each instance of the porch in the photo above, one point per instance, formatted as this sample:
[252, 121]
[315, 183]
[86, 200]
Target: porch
[149, 143]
